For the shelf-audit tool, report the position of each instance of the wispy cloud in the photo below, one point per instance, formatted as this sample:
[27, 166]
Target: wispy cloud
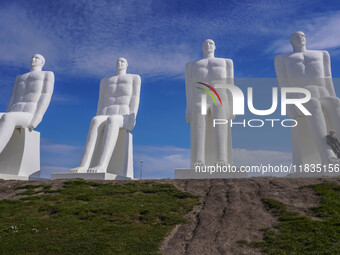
[160, 161]
[61, 149]
[21, 38]
[156, 38]
[60, 156]
[64, 99]
[322, 32]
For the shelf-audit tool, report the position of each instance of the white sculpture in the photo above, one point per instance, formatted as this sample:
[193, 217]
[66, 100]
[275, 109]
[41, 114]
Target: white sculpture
[209, 145]
[116, 115]
[30, 98]
[310, 69]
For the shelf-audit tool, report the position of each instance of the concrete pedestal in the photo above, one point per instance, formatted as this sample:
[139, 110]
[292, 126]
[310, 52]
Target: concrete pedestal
[120, 166]
[20, 160]
[89, 176]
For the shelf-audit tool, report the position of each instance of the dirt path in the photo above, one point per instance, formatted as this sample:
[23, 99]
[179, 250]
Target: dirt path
[232, 211]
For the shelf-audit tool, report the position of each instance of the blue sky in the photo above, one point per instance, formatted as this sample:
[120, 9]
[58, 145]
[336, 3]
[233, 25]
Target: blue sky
[82, 39]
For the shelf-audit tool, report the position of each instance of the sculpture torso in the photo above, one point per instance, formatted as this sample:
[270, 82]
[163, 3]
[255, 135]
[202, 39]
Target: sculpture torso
[305, 69]
[116, 94]
[207, 70]
[28, 89]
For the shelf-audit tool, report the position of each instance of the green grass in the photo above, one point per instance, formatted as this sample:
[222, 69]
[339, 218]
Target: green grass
[91, 218]
[297, 234]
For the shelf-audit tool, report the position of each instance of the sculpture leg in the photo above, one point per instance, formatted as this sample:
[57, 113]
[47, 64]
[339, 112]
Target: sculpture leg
[113, 124]
[96, 128]
[317, 126]
[197, 130]
[8, 122]
[221, 135]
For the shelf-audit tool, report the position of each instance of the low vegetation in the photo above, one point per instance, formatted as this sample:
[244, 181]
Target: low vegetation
[297, 234]
[91, 218]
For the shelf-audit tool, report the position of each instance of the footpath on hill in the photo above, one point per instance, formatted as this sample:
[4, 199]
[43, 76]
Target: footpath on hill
[230, 219]
[232, 213]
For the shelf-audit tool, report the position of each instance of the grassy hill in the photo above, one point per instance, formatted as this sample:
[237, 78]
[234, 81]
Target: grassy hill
[90, 217]
[232, 216]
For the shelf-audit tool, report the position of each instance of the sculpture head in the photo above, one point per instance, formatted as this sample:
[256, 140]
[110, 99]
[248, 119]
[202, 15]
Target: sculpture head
[38, 61]
[298, 39]
[121, 64]
[208, 47]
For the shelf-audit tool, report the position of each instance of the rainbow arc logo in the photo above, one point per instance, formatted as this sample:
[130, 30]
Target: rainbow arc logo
[209, 93]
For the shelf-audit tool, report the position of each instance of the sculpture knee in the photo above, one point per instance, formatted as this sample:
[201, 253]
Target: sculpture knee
[313, 106]
[6, 118]
[331, 101]
[115, 120]
[96, 121]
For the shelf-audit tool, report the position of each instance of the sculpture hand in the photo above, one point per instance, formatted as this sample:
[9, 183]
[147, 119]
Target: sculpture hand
[130, 121]
[35, 121]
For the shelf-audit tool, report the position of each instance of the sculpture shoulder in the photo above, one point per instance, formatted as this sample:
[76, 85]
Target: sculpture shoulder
[136, 77]
[23, 76]
[317, 51]
[48, 75]
[326, 54]
[229, 62]
[189, 64]
[105, 80]
[282, 57]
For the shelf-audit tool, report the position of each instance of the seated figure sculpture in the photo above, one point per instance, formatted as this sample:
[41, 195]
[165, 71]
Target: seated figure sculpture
[311, 70]
[29, 101]
[117, 109]
[209, 146]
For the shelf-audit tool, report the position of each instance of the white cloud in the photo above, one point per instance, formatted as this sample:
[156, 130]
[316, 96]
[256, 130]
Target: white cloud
[60, 155]
[65, 99]
[63, 149]
[86, 39]
[322, 32]
[21, 38]
[160, 161]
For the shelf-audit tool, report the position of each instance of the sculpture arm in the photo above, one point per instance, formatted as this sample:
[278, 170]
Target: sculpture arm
[100, 99]
[230, 71]
[328, 74]
[230, 81]
[188, 81]
[11, 100]
[281, 72]
[44, 100]
[134, 103]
